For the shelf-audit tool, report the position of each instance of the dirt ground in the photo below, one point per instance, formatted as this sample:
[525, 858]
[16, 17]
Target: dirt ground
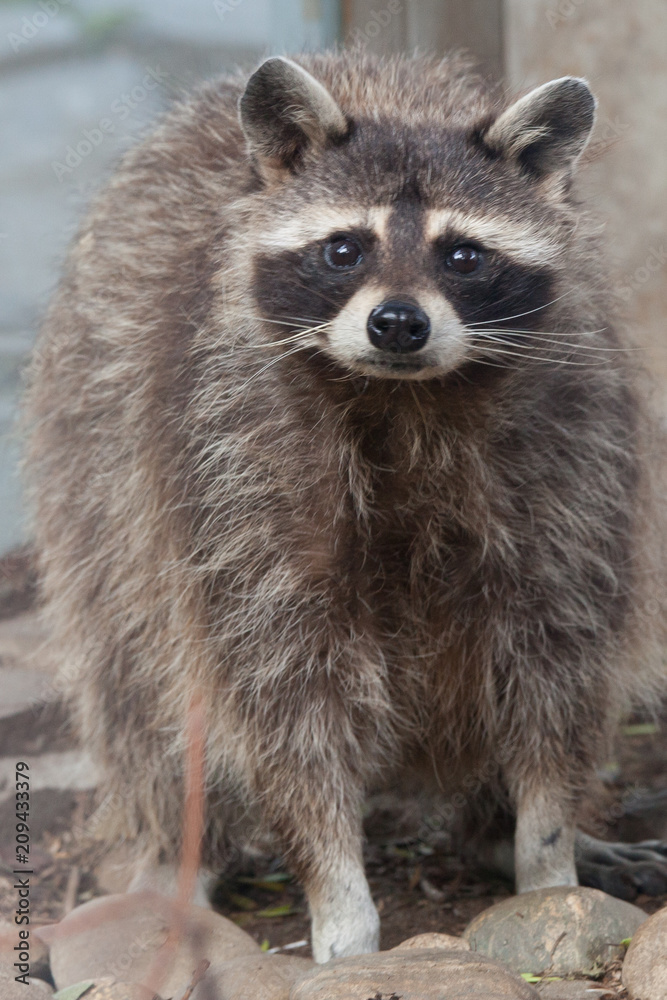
[416, 887]
[417, 884]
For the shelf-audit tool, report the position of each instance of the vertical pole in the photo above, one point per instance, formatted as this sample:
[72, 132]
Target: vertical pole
[430, 25]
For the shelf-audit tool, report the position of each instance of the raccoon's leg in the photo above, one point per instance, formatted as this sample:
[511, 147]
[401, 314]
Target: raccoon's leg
[543, 840]
[308, 769]
[619, 869]
[320, 831]
[343, 914]
[550, 851]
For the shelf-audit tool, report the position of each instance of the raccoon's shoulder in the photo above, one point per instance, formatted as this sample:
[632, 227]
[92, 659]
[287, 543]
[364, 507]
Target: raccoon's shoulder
[198, 136]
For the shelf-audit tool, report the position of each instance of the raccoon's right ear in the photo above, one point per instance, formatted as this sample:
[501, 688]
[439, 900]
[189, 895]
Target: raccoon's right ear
[546, 131]
[283, 111]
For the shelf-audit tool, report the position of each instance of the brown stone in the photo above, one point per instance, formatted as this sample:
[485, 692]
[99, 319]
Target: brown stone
[645, 966]
[433, 940]
[43, 987]
[252, 977]
[39, 953]
[22, 646]
[413, 974]
[126, 937]
[562, 932]
[11, 990]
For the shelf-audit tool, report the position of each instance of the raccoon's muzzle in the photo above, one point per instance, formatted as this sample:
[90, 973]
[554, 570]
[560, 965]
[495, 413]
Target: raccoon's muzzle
[399, 327]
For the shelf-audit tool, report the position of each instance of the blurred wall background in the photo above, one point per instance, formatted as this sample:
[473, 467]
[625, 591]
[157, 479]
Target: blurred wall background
[621, 48]
[80, 79]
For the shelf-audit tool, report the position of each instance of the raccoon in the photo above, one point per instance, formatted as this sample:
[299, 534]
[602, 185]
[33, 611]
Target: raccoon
[330, 422]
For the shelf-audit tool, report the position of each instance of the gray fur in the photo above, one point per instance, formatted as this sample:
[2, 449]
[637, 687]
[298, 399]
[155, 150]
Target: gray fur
[358, 574]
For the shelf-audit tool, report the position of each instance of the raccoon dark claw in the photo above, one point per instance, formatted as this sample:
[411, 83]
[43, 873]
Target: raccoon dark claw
[611, 880]
[622, 870]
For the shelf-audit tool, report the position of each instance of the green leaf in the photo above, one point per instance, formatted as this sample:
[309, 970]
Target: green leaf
[626, 942]
[74, 992]
[265, 945]
[641, 729]
[242, 902]
[530, 978]
[276, 911]
[272, 878]
[260, 883]
[401, 852]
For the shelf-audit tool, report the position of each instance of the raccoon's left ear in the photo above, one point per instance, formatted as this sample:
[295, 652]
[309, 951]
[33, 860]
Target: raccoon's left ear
[546, 131]
[283, 111]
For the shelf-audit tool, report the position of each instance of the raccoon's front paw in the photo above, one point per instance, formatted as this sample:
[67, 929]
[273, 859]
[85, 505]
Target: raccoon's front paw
[344, 923]
[622, 870]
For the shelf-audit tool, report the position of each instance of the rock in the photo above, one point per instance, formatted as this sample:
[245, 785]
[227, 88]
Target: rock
[18, 580]
[124, 937]
[413, 974]
[39, 953]
[446, 941]
[11, 990]
[562, 931]
[163, 879]
[73, 770]
[44, 727]
[22, 648]
[268, 977]
[645, 967]
[43, 987]
[32, 713]
[56, 779]
[22, 689]
[572, 989]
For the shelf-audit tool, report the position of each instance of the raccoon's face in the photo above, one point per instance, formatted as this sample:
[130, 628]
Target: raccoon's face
[402, 256]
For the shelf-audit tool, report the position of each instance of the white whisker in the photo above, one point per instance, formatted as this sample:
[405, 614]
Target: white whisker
[297, 336]
[346, 378]
[274, 361]
[520, 355]
[533, 333]
[505, 319]
[298, 321]
[550, 346]
[551, 337]
[293, 338]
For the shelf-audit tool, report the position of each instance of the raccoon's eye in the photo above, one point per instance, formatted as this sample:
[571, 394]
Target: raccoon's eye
[342, 252]
[464, 260]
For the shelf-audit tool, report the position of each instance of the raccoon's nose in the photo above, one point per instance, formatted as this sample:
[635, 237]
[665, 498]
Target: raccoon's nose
[398, 326]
